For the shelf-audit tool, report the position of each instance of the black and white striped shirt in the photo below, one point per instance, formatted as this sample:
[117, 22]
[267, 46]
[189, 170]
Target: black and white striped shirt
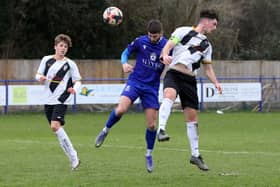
[61, 75]
[191, 49]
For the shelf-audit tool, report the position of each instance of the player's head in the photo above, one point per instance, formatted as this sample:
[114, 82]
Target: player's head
[209, 20]
[61, 44]
[63, 37]
[154, 29]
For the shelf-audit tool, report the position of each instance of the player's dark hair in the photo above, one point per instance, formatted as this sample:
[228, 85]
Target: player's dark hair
[63, 37]
[154, 26]
[209, 13]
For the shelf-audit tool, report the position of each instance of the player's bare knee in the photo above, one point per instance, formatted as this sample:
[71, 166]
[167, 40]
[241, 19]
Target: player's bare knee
[55, 125]
[54, 128]
[170, 93]
[120, 110]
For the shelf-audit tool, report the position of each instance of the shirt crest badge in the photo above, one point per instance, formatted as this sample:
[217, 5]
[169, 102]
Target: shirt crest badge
[153, 56]
[65, 67]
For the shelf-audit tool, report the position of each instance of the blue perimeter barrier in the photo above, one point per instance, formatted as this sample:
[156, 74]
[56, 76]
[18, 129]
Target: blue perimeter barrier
[200, 80]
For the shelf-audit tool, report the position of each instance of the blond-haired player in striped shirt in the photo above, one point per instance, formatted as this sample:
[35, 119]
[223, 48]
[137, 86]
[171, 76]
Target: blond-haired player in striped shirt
[62, 79]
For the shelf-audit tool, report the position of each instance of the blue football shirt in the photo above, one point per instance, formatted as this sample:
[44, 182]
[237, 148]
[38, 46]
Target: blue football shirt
[148, 67]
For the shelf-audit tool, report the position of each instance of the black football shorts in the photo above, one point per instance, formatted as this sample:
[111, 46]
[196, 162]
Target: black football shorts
[185, 85]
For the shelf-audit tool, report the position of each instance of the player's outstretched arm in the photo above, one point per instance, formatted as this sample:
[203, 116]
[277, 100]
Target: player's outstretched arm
[164, 57]
[127, 68]
[209, 72]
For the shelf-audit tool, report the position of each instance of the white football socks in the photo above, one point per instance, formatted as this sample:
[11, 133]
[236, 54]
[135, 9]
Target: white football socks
[192, 132]
[149, 152]
[66, 144]
[164, 112]
[105, 129]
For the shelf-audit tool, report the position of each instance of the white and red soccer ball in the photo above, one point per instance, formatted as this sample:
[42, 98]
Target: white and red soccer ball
[113, 16]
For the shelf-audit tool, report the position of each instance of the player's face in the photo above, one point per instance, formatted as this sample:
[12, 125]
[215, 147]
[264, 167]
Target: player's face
[154, 37]
[210, 25]
[61, 49]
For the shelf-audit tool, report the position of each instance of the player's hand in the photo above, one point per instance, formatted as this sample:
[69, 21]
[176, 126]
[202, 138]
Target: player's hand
[71, 90]
[42, 78]
[166, 59]
[219, 88]
[127, 68]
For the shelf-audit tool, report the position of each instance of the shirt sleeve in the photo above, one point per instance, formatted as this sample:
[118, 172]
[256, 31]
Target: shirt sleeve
[75, 74]
[42, 66]
[124, 56]
[133, 46]
[208, 55]
[177, 35]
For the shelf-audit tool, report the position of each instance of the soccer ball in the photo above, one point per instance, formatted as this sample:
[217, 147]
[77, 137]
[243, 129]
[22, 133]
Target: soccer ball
[113, 16]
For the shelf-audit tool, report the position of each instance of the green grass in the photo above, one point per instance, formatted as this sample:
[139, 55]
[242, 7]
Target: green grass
[241, 149]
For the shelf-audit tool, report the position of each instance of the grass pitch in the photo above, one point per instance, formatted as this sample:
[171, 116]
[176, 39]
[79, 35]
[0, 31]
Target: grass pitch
[241, 149]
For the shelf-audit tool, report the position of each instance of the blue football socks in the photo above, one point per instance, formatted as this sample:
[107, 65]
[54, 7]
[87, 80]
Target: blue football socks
[150, 138]
[113, 119]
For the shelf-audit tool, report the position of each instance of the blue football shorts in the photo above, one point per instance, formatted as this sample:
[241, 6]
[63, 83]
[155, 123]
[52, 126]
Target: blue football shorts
[148, 96]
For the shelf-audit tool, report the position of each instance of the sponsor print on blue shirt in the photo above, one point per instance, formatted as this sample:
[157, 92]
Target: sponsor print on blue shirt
[148, 67]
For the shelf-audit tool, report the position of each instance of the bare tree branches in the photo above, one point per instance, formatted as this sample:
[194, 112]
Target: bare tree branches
[247, 29]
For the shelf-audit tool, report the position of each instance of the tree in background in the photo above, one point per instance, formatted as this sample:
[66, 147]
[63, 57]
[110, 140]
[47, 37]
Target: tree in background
[260, 36]
[247, 29]
[34, 22]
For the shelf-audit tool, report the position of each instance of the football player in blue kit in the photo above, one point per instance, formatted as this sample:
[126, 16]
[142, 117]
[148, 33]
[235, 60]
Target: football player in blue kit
[143, 83]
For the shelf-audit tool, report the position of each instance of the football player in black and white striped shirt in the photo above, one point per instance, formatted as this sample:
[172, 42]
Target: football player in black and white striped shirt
[191, 49]
[62, 79]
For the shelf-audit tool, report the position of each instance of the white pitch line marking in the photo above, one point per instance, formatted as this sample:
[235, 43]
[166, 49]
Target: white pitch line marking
[202, 150]
[158, 148]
